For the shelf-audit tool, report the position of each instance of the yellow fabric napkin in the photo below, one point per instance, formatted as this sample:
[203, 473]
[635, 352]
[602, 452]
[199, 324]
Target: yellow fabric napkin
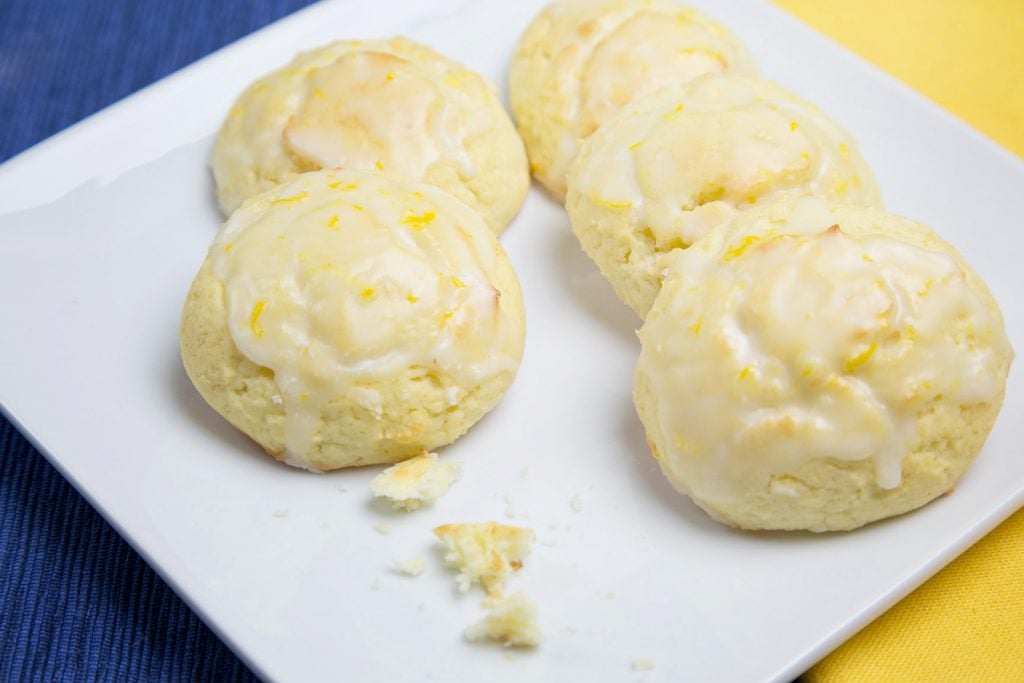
[966, 623]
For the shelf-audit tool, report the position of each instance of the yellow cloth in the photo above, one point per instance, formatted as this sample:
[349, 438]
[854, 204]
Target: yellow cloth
[966, 623]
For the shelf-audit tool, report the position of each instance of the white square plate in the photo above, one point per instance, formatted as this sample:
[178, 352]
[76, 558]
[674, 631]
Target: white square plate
[103, 227]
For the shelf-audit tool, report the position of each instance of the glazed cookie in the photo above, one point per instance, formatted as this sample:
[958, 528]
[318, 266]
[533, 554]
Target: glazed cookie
[816, 367]
[346, 318]
[581, 61]
[677, 163]
[389, 106]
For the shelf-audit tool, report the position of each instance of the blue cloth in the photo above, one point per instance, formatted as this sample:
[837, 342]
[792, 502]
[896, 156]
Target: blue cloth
[76, 602]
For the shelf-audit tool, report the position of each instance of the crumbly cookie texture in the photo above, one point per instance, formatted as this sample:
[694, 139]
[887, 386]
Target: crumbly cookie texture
[414, 566]
[346, 318]
[387, 106]
[415, 482]
[672, 166]
[485, 553]
[511, 621]
[819, 367]
[581, 61]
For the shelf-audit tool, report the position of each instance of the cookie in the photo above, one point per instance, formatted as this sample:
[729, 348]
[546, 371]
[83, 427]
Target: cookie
[581, 61]
[347, 318]
[673, 165]
[388, 106]
[816, 367]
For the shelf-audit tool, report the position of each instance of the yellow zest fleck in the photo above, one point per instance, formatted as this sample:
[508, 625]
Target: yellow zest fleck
[333, 223]
[927, 285]
[910, 333]
[737, 251]
[303, 396]
[390, 76]
[416, 195]
[808, 369]
[843, 149]
[291, 200]
[357, 207]
[453, 80]
[227, 247]
[805, 156]
[318, 93]
[695, 328]
[745, 372]
[281, 236]
[867, 259]
[675, 112]
[704, 52]
[751, 199]
[236, 111]
[342, 186]
[601, 201]
[254, 318]
[635, 145]
[367, 293]
[412, 298]
[379, 165]
[793, 126]
[861, 358]
[418, 221]
[841, 187]
[457, 282]
[709, 194]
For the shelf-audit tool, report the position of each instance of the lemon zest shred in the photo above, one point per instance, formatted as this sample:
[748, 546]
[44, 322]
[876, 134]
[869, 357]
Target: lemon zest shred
[418, 221]
[291, 200]
[737, 251]
[333, 223]
[254, 318]
[861, 358]
[600, 201]
[342, 186]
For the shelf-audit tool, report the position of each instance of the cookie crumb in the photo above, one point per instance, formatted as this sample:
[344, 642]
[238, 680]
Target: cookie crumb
[511, 621]
[415, 482]
[642, 665]
[414, 566]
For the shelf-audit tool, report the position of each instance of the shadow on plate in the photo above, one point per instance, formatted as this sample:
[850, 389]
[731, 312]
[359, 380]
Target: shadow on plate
[650, 476]
[589, 289]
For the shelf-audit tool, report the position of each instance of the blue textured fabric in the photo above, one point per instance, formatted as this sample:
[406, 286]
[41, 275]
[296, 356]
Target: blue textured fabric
[76, 602]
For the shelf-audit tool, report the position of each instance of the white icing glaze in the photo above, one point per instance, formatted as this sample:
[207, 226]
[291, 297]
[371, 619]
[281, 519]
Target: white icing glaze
[619, 51]
[691, 156]
[382, 106]
[341, 278]
[792, 341]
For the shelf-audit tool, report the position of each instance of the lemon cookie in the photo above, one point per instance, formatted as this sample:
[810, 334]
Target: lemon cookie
[346, 318]
[581, 61]
[389, 106]
[676, 163]
[808, 367]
